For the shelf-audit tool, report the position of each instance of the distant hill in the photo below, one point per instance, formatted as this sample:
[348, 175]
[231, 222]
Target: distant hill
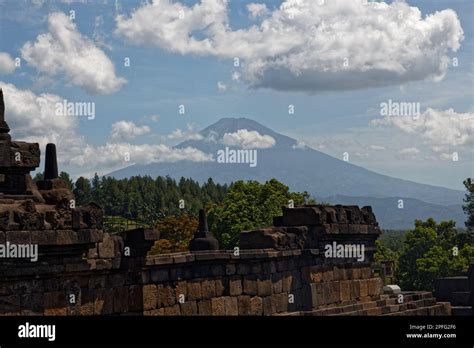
[390, 216]
[304, 169]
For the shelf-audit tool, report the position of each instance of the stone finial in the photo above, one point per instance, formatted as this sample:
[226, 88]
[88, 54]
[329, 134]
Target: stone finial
[202, 221]
[51, 163]
[3, 125]
[203, 239]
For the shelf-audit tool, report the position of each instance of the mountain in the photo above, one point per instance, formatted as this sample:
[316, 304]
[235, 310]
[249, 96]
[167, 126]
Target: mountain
[391, 217]
[301, 168]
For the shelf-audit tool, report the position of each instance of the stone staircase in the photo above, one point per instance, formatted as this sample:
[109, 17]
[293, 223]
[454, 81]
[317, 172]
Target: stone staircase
[414, 304]
[458, 291]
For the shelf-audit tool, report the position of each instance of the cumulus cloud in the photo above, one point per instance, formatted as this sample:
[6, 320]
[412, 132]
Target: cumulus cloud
[116, 155]
[7, 64]
[64, 50]
[301, 145]
[32, 118]
[188, 134]
[126, 130]
[408, 153]
[257, 10]
[442, 130]
[376, 147]
[248, 139]
[305, 44]
[221, 87]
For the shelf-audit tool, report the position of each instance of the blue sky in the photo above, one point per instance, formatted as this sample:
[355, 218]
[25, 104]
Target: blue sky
[160, 79]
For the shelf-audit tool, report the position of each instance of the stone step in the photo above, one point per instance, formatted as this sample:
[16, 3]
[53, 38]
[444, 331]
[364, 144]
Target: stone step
[460, 298]
[438, 309]
[462, 311]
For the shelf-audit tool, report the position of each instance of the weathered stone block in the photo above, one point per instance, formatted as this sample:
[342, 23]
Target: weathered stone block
[256, 305]
[173, 310]
[204, 307]
[181, 290]
[268, 305]
[120, 300]
[208, 288]
[194, 290]
[231, 306]
[104, 301]
[277, 282]
[364, 288]
[374, 286]
[189, 308]
[244, 305]
[218, 306]
[345, 290]
[220, 286]
[235, 286]
[250, 286]
[166, 295]
[106, 247]
[150, 297]
[264, 287]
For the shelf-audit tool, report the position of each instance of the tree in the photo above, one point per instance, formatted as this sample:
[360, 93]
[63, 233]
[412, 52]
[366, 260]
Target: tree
[175, 233]
[249, 205]
[433, 250]
[38, 177]
[67, 179]
[468, 207]
[82, 191]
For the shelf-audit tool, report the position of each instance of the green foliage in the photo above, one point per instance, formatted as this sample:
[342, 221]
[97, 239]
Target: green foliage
[432, 250]
[146, 199]
[38, 177]
[67, 179]
[468, 207]
[249, 205]
[384, 253]
[175, 233]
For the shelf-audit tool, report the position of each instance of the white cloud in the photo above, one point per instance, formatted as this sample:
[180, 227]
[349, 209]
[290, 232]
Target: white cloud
[126, 130]
[248, 139]
[7, 64]
[376, 147]
[188, 134]
[154, 118]
[221, 86]
[408, 153]
[307, 45]
[443, 131]
[117, 155]
[32, 118]
[257, 10]
[299, 145]
[65, 50]
[236, 76]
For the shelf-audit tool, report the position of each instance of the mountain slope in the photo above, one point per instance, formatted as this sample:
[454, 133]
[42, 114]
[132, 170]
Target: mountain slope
[302, 169]
[390, 216]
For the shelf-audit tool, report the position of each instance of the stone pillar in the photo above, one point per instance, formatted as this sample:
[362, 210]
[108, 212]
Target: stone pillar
[203, 239]
[51, 163]
[4, 129]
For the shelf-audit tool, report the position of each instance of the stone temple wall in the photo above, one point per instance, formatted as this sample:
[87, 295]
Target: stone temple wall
[116, 276]
[315, 260]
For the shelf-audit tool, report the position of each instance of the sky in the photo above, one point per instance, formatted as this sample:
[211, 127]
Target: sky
[152, 74]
